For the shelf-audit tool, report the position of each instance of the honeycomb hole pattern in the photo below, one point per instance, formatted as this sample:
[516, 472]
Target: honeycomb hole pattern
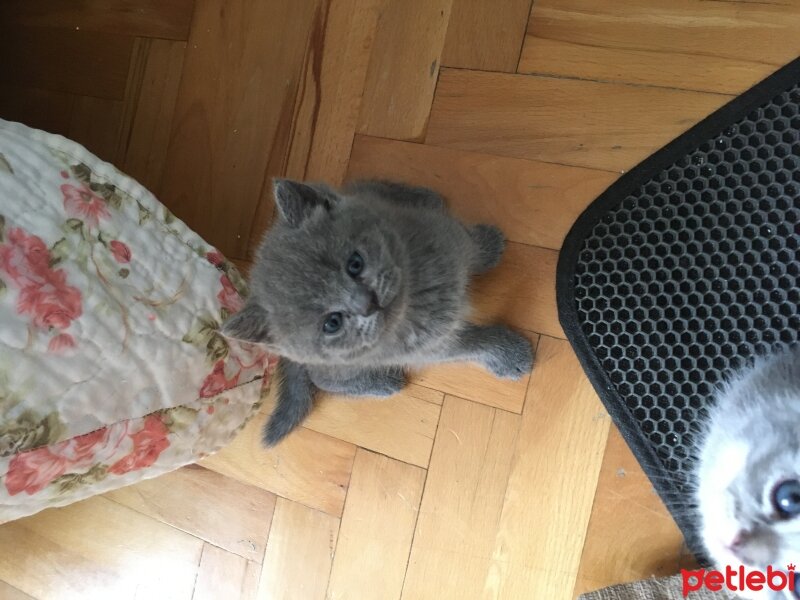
[695, 273]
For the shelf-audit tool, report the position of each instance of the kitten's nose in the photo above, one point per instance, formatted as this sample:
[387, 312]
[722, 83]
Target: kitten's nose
[373, 303]
[737, 540]
[368, 302]
[753, 546]
[738, 544]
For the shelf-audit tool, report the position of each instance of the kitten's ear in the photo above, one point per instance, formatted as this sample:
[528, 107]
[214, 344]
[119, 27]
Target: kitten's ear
[249, 325]
[297, 201]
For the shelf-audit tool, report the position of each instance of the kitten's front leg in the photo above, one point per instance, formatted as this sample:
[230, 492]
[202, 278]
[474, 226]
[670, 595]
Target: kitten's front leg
[489, 244]
[294, 400]
[375, 381]
[501, 350]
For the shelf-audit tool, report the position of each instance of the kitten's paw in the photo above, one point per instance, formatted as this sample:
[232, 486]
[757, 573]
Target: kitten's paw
[390, 382]
[511, 356]
[294, 401]
[490, 243]
[282, 422]
[275, 430]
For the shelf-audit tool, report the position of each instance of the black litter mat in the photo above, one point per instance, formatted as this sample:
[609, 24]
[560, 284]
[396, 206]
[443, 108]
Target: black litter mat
[684, 270]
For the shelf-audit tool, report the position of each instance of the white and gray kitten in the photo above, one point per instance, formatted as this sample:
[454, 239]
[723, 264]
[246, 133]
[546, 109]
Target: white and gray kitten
[351, 287]
[748, 473]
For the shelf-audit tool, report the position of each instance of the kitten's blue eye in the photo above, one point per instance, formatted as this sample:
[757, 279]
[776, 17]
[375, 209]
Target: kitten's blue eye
[786, 498]
[355, 264]
[333, 323]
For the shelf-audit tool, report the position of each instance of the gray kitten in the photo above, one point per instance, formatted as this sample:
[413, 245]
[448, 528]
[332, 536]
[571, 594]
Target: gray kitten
[351, 287]
[748, 473]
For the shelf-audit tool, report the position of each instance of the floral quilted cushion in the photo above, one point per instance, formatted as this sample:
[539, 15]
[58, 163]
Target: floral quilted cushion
[111, 364]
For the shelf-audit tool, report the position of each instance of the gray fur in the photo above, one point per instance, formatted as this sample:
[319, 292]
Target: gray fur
[751, 442]
[296, 392]
[407, 308]
[490, 243]
[358, 381]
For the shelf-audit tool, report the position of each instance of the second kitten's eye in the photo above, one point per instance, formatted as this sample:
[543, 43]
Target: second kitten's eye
[355, 264]
[333, 323]
[786, 498]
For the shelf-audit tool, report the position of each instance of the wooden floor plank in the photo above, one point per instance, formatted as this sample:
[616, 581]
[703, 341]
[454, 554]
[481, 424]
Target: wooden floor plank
[101, 547]
[553, 478]
[328, 106]
[243, 266]
[402, 426]
[300, 549]
[485, 35]
[144, 149]
[8, 592]
[583, 123]
[231, 126]
[221, 575]
[84, 63]
[476, 383]
[95, 123]
[631, 534]
[151, 18]
[37, 108]
[687, 44]
[229, 514]
[377, 528]
[455, 539]
[403, 68]
[308, 467]
[521, 291]
[533, 202]
[252, 578]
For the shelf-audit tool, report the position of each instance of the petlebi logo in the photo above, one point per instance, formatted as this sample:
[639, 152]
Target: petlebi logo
[739, 579]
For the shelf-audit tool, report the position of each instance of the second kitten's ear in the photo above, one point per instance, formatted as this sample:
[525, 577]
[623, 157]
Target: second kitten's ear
[249, 325]
[297, 201]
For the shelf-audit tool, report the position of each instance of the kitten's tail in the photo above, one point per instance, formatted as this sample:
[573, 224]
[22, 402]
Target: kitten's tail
[295, 398]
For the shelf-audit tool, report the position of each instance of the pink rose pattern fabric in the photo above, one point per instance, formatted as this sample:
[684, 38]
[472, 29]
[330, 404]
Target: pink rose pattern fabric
[30, 472]
[228, 296]
[121, 252]
[44, 293]
[50, 278]
[82, 203]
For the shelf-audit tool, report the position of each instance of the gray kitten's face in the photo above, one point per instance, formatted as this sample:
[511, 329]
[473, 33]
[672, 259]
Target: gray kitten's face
[749, 498]
[332, 289]
[328, 283]
[748, 477]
